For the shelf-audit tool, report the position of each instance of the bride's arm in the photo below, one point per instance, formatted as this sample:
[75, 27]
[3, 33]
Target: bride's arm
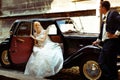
[35, 41]
[43, 38]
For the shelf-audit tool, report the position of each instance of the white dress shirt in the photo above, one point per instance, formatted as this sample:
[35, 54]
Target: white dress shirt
[104, 34]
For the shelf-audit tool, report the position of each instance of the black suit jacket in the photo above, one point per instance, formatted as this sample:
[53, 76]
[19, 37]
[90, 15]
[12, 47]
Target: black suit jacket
[112, 23]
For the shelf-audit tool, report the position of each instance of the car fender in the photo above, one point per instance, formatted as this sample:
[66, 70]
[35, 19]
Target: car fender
[89, 48]
[80, 53]
[5, 44]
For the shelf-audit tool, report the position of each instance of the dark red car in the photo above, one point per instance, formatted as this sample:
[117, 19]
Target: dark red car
[76, 46]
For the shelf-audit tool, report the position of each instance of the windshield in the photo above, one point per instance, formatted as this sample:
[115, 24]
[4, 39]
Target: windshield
[67, 26]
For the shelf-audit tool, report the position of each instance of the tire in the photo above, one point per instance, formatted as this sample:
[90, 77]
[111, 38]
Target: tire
[89, 68]
[4, 58]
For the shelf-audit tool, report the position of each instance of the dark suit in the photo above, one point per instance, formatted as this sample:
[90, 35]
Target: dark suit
[108, 55]
[112, 23]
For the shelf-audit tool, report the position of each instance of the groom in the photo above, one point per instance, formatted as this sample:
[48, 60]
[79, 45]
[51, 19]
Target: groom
[109, 35]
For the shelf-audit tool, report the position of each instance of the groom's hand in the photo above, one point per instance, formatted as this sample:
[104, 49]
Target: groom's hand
[110, 35]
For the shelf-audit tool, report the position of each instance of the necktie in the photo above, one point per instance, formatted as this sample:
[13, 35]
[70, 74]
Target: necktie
[104, 19]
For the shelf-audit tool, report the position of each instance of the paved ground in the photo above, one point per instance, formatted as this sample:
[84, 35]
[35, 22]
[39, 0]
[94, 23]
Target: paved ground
[64, 74]
[10, 74]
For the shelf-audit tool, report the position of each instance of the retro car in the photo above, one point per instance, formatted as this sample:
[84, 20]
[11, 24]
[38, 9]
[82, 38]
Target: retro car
[76, 46]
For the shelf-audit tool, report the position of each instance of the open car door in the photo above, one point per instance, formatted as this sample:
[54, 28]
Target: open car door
[21, 44]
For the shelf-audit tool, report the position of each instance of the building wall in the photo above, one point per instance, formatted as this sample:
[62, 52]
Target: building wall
[10, 10]
[0, 8]
[11, 7]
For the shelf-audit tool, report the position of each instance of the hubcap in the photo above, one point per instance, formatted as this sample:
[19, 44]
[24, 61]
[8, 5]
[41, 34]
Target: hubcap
[5, 57]
[92, 70]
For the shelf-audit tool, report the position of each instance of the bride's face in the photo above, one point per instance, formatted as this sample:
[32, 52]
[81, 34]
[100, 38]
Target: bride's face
[37, 27]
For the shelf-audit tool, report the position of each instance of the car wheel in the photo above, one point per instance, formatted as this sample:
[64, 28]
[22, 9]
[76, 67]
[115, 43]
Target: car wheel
[5, 62]
[89, 68]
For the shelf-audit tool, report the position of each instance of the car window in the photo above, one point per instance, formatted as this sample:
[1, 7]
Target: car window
[13, 28]
[24, 29]
[52, 30]
[66, 26]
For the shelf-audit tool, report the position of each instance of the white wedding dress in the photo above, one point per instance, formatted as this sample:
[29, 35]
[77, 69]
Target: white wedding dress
[46, 60]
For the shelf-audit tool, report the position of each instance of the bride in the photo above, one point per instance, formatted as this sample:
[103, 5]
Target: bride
[46, 58]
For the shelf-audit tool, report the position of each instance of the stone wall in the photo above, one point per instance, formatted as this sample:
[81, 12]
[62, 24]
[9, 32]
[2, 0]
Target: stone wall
[11, 7]
[14, 8]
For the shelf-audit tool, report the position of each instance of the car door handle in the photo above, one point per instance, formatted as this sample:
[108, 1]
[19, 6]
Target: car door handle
[20, 40]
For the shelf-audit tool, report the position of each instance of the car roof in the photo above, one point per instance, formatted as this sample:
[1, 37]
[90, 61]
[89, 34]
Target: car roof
[42, 19]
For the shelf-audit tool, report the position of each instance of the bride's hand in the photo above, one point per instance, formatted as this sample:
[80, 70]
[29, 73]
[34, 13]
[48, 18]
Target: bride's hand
[32, 36]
